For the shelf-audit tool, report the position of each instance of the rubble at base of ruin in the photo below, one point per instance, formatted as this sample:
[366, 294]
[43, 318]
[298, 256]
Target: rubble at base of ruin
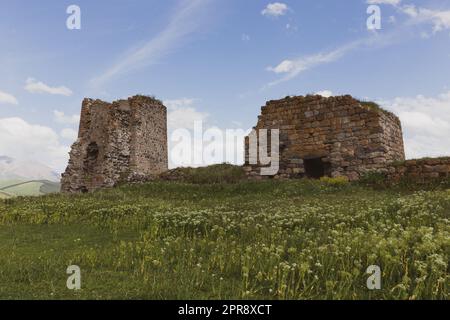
[122, 141]
[335, 136]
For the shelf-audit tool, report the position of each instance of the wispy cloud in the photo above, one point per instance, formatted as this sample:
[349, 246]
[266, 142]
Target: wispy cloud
[440, 20]
[34, 86]
[391, 2]
[184, 21]
[245, 37]
[7, 98]
[292, 68]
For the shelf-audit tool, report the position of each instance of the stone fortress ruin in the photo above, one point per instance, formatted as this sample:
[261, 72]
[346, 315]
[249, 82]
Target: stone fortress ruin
[336, 136]
[125, 140]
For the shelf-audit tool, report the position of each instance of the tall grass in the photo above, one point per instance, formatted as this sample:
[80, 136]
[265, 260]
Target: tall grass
[244, 240]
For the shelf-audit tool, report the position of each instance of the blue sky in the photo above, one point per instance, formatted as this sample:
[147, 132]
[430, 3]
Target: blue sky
[218, 60]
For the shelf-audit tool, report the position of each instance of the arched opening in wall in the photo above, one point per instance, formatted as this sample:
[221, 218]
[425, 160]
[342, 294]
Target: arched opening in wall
[316, 168]
[91, 156]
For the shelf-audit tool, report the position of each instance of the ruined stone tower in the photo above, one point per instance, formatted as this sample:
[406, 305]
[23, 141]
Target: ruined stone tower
[336, 136]
[119, 141]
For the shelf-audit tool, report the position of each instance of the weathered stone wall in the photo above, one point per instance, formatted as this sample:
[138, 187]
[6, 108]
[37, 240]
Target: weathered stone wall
[348, 136]
[419, 171]
[391, 137]
[118, 141]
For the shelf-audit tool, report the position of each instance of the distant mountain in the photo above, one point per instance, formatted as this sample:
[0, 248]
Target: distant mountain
[6, 159]
[12, 169]
[14, 188]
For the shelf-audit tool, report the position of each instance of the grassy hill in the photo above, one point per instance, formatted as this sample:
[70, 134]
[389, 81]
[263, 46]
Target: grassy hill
[272, 240]
[5, 195]
[13, 188]
[6, 183]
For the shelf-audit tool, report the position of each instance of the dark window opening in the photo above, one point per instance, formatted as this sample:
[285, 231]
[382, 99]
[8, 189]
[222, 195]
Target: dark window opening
[315, 168]
[90, 161]
[83, 189]
[92, 151]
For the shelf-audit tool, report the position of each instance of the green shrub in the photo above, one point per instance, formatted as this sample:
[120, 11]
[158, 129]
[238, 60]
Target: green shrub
[336, 181]
[220, 173]
[373, 106]
[374, 179]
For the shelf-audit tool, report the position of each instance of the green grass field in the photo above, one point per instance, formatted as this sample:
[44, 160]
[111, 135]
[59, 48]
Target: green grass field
[244, 240]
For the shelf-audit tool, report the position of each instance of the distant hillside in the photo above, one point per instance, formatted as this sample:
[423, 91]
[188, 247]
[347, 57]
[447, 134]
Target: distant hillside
[4, 195]
[12, 169]
[14, 188]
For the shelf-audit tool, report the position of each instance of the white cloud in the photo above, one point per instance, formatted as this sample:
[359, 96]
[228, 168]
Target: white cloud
[292, 68]
[178, 103]
[185, 21]
[245, 37]
[410, 10]
[62, 118]
[275, 9]
[182, 118]
[182, 114]
[439, 19]
[325, 93]
[27, 142]
[426, 124]
[185, 118]
[292, 28]
[391, 2]
[284, 67]
[8, 98]
[34, 86]
[69, 134]
[191, 143]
